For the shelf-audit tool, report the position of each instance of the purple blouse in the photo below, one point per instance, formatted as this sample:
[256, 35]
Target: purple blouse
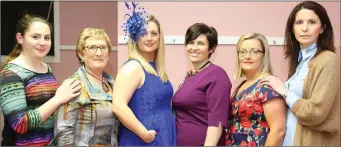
[202, 101]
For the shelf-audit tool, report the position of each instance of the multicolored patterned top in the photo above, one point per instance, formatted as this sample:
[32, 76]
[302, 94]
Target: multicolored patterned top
[22, 93]
[87, 120]
[248, 126]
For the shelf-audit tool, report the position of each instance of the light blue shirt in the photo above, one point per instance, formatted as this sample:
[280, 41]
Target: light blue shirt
[295, 88]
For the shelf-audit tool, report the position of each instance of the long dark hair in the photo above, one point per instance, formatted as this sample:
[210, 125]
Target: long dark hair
[325, 40]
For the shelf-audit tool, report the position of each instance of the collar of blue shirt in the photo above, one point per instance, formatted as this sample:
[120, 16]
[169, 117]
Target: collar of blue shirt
[307, 52]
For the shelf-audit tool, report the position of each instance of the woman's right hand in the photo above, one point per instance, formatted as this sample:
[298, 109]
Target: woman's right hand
[69, 89]
[149, 136]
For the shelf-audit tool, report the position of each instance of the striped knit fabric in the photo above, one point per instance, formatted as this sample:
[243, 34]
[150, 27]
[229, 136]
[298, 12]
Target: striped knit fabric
[22, 92]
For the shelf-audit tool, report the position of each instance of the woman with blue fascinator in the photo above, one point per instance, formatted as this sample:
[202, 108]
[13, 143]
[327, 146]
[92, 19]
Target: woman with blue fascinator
[142, 92]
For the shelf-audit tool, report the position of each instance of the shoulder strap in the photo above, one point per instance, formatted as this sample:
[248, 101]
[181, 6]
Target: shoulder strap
[135, 60]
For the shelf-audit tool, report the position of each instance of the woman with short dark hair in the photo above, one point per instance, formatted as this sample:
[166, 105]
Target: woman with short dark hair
[201, 102]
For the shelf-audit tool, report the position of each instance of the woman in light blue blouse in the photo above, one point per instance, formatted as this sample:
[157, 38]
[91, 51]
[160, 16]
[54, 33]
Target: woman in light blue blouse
[312, 91]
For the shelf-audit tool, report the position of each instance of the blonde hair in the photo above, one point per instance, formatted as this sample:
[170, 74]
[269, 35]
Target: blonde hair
[266, 65]
[134, 53]
[93, 33]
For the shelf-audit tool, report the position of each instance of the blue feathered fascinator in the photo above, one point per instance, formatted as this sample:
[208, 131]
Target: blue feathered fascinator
[135, 26]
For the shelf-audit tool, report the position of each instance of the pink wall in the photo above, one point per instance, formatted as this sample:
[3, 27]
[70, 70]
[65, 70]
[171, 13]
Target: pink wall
[230, 19]
[74, 17]
[69, 65]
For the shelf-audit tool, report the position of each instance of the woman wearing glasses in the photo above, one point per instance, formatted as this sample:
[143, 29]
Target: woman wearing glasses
[201, 103]
[257, 112]
[88, 120]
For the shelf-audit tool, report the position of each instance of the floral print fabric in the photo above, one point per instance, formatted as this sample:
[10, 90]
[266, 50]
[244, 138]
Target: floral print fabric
[248, 125]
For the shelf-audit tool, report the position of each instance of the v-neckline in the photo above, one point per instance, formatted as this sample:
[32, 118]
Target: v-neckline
[252, 85]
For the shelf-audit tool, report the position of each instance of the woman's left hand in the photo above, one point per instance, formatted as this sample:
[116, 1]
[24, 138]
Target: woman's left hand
[275, 83]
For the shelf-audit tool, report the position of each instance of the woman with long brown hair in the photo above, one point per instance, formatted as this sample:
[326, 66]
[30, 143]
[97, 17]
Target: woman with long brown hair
[29, 91]
[312, 91]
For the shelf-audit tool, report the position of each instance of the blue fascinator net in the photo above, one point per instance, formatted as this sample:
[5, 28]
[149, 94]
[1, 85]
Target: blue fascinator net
[135, 26]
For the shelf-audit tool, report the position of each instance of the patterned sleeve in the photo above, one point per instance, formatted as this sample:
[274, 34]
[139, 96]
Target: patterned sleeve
[217, 98]
[267, 93]
[65, 123]
[14, 106]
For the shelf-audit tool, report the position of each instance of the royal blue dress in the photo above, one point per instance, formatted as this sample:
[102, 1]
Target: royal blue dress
[151, 104]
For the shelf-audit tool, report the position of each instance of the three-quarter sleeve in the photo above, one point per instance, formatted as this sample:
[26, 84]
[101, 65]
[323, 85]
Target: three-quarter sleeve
[14, 105]
[217, 98]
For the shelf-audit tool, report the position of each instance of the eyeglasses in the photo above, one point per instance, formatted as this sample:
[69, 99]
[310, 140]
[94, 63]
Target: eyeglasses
[255, 52]
[94, 48]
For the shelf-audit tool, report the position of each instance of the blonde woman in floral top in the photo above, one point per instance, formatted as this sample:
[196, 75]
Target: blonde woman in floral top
[88, 120]
[258, 113]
